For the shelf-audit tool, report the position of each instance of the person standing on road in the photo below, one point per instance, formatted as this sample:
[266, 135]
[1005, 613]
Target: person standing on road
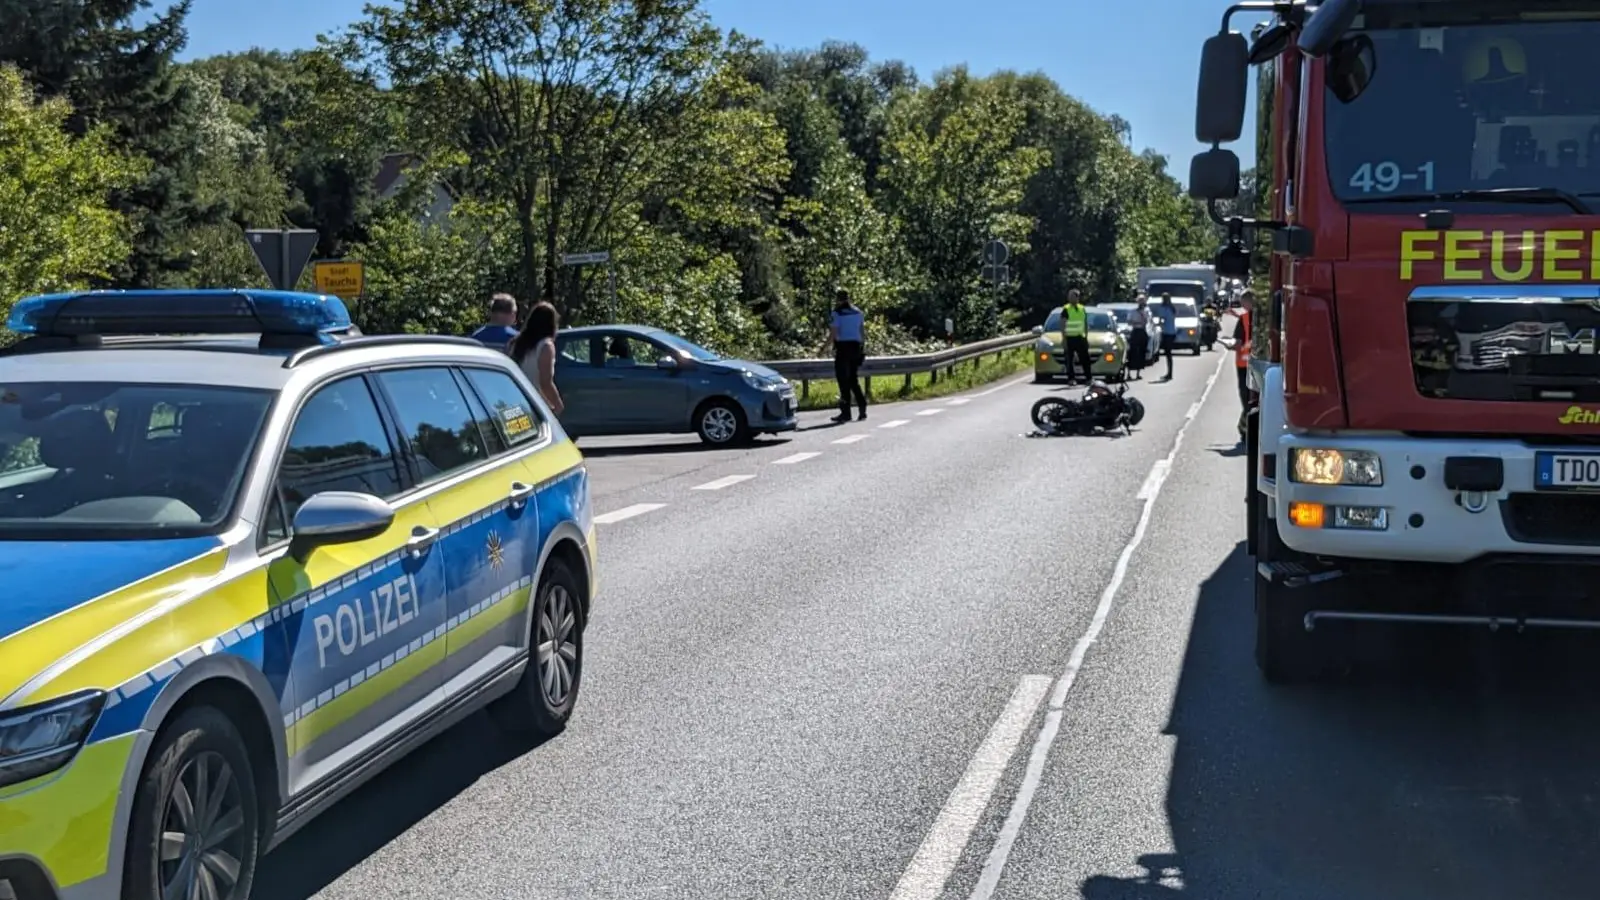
[847, 332]
[1075, 336]
[1139, 336]
[534, 349]
[1168, 314]
[1241, 355]
[502, 327]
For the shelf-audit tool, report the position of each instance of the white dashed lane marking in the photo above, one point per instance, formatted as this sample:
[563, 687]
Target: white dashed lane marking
[896, 423]
[960, 401]
[627, 512]
[797, 458]
[852, 439]
[721, 483]
[930, 412]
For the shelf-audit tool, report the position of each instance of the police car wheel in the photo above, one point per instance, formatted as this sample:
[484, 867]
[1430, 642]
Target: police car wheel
[195, 829]
[542, 702]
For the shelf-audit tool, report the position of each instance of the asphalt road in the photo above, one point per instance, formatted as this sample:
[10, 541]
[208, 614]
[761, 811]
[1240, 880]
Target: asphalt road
[944, 659]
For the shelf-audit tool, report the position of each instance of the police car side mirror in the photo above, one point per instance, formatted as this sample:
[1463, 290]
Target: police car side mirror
[337, 517]
[1038, 330]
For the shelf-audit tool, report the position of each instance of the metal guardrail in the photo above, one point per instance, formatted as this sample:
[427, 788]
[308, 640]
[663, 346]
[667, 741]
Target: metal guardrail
[806, 371]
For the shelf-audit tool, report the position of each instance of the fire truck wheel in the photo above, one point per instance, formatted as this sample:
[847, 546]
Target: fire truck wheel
[1285, 652]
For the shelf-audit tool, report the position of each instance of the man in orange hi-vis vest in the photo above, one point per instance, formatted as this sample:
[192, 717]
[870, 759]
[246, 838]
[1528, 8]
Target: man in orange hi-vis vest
[1241, 355]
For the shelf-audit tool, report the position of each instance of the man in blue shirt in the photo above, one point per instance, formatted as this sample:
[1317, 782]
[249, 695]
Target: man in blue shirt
[847, 329]
[1168, 314]
[502, 325]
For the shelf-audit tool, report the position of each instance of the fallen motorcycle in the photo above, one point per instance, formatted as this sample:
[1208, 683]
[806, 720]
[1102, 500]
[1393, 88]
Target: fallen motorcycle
[1099, 409]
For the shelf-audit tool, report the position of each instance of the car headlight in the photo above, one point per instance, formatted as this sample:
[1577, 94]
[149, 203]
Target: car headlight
[38, 740]
[760, 382]
[1318, 465]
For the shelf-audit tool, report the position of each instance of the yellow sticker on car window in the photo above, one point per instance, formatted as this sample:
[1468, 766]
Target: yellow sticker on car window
[517, 423]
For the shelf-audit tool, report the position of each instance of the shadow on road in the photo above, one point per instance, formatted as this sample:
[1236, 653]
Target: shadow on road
[1459, 766]
[384, 808]
[1228, 451]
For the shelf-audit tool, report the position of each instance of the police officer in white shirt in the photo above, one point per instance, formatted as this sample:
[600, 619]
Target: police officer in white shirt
[847, 330]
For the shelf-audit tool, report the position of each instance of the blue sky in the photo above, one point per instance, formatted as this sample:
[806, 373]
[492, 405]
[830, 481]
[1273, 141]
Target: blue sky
[1135, 58]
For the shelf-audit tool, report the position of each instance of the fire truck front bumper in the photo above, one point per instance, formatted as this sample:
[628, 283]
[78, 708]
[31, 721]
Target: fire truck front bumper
[1400, 498]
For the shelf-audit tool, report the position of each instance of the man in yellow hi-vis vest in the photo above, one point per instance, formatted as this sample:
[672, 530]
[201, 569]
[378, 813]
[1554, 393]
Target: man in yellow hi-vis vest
[1075, 335]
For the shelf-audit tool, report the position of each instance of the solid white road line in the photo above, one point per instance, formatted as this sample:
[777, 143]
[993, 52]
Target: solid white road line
[896, 423]
[1031, 777]
[852, 438]
[721, 483]
[960, 401]
[797, 458]
[996, 390]
[627, 512]
[930, 412]
[930, 868]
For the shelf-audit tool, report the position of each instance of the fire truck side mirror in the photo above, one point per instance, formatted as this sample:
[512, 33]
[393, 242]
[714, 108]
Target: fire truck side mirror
[1326, 25]
[1224, 79]
[1214, 175]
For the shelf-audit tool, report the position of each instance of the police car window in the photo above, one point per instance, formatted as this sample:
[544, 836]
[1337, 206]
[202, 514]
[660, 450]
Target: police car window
[1471, 105]
[436, 420]
[124, 459]
[515, 420]
[338, 443]
[1053, 323]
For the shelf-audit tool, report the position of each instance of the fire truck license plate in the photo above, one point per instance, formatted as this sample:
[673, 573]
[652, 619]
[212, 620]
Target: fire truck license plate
[1567, 471]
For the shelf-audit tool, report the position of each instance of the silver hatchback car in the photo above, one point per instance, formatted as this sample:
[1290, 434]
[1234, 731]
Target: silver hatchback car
[632, 379]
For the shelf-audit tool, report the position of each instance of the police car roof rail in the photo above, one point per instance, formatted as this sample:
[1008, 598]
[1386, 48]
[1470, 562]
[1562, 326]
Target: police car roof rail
[377, 340]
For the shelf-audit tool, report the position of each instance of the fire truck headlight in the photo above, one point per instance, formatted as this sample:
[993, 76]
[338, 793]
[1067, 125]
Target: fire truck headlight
[1314, 465]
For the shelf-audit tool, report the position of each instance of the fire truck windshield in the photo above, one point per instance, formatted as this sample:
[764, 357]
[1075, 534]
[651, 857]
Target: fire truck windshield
[1471, 107]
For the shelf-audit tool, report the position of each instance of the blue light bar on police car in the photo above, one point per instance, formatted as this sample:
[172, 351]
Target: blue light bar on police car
[157, 312]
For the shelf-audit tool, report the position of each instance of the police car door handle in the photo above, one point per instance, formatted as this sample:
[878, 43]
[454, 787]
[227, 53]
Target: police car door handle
[520, 491]
[421, 539]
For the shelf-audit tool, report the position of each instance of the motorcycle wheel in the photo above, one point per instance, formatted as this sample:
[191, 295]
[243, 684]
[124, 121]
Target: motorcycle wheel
[1135, 411]
[1042, 411]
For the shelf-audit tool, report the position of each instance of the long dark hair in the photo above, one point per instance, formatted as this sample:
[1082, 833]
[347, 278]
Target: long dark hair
[543, 322]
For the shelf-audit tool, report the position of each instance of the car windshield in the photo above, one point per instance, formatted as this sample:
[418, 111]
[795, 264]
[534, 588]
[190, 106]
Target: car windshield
[1185, 310]
[1120, 312]
[687, 348]
[97, 460]
[1178, 291]
[1100, 320]
[1486, 100]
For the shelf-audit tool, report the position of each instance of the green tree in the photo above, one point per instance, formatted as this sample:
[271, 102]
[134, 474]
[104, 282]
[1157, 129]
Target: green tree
[573, 113]
[56, 230]
[113, 60]
[954, 177]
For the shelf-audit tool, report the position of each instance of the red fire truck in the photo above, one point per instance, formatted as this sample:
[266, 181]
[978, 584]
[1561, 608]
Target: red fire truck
[1426, 447]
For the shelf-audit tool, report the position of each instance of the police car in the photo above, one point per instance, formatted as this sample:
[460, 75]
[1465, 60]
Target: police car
[251, 558]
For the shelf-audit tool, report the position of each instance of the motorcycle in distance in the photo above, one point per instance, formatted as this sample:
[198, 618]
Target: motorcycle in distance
[1099, 409]
[1210, 328]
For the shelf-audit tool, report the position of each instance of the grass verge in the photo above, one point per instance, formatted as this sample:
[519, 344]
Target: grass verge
[891, 388]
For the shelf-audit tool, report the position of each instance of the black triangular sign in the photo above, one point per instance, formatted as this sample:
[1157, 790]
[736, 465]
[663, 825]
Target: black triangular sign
[282, 254]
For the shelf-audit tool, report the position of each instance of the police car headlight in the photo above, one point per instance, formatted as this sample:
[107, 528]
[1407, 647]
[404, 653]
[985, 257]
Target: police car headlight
[37, 740]
[1316, 465]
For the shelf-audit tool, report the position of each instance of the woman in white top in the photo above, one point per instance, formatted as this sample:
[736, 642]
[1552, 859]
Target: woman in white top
[534, 349]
